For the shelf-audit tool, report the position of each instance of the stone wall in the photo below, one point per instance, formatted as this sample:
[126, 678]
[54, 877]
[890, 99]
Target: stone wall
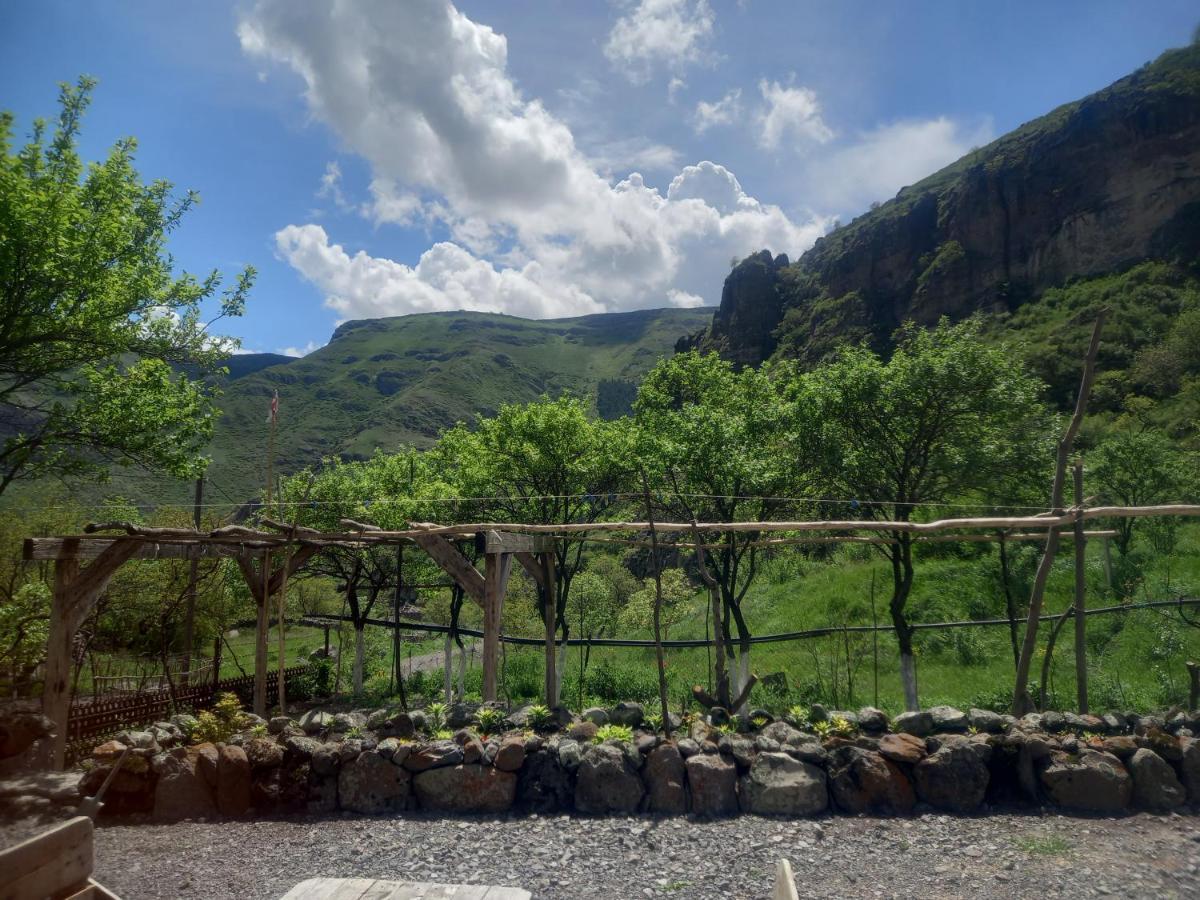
[379, 763]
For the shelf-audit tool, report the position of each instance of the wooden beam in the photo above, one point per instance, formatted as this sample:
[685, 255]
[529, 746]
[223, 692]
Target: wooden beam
[492, 541]
[533, 567]
[454, 564]
[497, 567]
[55, 863]
[90, 548]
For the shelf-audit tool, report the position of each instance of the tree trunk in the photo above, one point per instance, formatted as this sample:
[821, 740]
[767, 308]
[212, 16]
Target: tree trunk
[360, 650]
[902, 579]
[1010, 603]
[448, 670]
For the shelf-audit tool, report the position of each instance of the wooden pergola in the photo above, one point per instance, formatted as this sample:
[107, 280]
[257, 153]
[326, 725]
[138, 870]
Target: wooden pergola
[84, 564]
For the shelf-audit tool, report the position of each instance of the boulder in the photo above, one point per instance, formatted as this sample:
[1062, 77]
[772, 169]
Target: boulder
[129, 792]
[399, 725]
[596, 714]
[902, 748]
[182, 791]
[1155, 785]
[606, 782]
[314, 721]
[207, 757]
[918, 724]
[740, 748]
[663, 775]
[472, 746]
[1122, 746]
[460, 715]
[1093, 781]
[1053, 721]
[465, 789]
[688, 747]
[948, 720]
[779, 785]
[277, 724]
[1161, 742]
[1189, 767]
[300, 749]
[433, 756]
[809, 752]
[233, 781]
[712, 779]
[570, 755]
[986, 721]
[872, 720]
[630, 714]
[955, 777]
[263, 753]
[326, 759]
[863, 781]
[377, 718]
[371, 784]
[583, 731]
[510, 755]
[543, 785]
[783, 733]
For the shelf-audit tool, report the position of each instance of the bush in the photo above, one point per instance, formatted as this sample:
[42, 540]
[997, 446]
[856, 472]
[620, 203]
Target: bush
[613, 733]
[317, 681]
[219, 723]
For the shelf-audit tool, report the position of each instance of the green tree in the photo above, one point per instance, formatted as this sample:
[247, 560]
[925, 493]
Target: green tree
[946, 419]
[677, 597]
[1136, 468]
[95, 328]
[719, 444]
[546, 462]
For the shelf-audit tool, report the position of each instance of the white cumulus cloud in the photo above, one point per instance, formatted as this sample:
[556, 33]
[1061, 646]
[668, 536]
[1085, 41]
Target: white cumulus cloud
[423, 94]
[720, 112]
[667, 34]
[790, 112]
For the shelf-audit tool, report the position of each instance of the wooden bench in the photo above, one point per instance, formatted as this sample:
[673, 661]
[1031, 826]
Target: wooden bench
[56, 863]
[371, 889]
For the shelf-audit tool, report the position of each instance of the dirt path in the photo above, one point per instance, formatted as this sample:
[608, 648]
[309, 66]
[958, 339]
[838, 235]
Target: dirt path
[930, 856]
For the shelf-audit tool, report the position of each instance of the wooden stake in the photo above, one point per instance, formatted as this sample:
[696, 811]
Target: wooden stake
[658, 647]
[1022, 703]
[497, 567]
[1081, 676]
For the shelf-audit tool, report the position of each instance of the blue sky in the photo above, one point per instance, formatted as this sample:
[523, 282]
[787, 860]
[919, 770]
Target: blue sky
[380, 157]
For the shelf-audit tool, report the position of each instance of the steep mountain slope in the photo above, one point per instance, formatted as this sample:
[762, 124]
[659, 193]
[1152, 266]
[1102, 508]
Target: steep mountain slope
[1091, 188]
[383, 382]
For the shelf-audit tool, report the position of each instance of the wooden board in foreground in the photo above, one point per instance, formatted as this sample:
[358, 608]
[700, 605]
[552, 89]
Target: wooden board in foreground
[371, 889]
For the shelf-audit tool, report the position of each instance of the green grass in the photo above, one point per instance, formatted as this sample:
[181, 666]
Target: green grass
[1042, 845]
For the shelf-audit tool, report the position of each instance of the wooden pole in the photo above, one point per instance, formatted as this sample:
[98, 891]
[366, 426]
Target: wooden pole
[550, 597]
[1022, 703]
[189, 616]
[1081, 677]
[497, 567]
[1193, 670]
[658, 647]
[261, 638]
[56, 692]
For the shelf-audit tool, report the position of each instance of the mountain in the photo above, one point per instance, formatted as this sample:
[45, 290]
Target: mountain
[1091, 189]
[385, 382]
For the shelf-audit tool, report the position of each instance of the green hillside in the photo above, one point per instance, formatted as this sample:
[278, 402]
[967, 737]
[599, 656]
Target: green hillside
[383, 382]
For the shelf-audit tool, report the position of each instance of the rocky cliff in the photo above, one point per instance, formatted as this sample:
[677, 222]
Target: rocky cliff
[1092, 187]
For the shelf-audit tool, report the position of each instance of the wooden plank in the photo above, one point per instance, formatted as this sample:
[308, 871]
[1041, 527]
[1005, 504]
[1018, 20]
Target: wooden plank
[454, 564]
[785, 882]
[91, 547]
[54, 862]
[497, 568]
[332, 889]
[494, 541]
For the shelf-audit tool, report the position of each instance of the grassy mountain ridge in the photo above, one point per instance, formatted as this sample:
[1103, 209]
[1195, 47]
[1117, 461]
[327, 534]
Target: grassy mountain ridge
[384, 382]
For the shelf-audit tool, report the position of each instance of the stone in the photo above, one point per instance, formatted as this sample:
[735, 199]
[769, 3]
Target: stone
[108, 752]
[947, 719]
[688, 747]
[314, 721]
[1155, 785]
[779, 785]
[955, 777]
[809, 752]
[712, 780]
[872, 720]
[1189, 767]
[472, 746]
[760, 718]
[584, 731]
[182, 791]
[1112, 722]
[142, 740]
[570, 755]
[207, 758]
[595, 714]
[783, 733]
[1092, 782]
[740, 748]
[631, 714]
[606, 782]
[986, 721]
[460, 715]
[543, 785]
[326, 759]
[918, 724]
[1161, 742]
[902, 748]
[864, 781]
[663, 775]
[341, 723]
[766, 745]
[377, 719]
[1122, 746]
[277, 724]
[399, 725]
[128, 792]
[510, 755]
[301, 748]
[433, 756]
[185, 722]
[263, 753]
[370, 784]
[387, 747]
[1054, 721]
[844, 714]
[322, 795]
[233, 781]
[465, 789]
[645, 742]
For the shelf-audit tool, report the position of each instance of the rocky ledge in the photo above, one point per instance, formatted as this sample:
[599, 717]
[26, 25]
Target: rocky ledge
[379, 762]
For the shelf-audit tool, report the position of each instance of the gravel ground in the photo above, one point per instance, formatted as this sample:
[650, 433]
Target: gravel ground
[929, 856]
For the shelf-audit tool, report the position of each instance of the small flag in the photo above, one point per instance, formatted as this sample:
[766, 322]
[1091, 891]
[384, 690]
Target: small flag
[274, 416]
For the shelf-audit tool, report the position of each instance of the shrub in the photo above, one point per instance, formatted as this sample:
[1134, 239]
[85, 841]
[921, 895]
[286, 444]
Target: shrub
[219, 723]
[489, 719]
[613, 733]
[435, 717]
[540, 718]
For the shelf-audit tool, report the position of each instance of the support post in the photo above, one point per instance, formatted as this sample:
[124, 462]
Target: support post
[497, 567]
[261, 640]
[549, 595]
[1193, 670]
[56, 694]
[189, 616]
[1081, 678]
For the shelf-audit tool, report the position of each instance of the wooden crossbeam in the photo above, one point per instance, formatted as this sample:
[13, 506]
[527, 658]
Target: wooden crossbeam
[91, 547]
[454, 564]
[492, 541]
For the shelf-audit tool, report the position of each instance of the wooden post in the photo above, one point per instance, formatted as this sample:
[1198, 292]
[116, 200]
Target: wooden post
[550, 594]
[1081, 686]
[1107, 565]
[497, 567]
[1193, 670]
[261, 639]
[189, 617]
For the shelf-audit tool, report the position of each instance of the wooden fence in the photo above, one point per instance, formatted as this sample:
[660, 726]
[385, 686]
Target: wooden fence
[92, 719]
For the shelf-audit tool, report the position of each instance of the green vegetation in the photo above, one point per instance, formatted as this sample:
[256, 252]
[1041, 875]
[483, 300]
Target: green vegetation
[96, 324]
[1043, 845]
[612, 732]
